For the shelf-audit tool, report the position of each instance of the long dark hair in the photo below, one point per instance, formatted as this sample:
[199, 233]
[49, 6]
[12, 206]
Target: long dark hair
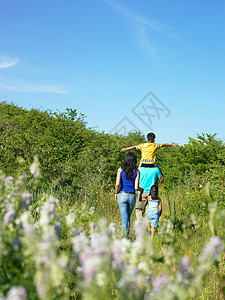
[129, 164]
[154, 192]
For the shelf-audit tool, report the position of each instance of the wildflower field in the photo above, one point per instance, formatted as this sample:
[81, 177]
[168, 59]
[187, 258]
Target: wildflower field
[53, 249]
[60, 235]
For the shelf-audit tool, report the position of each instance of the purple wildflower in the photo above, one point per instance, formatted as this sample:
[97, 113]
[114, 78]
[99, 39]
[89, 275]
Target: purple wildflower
[159, 283]
[34, 168]
[90, 267]
[28, 228]
[58, 227]
[17, 293]
[117, 254]
[48, 211]
[10, 215]
[91, 210]
[112, 228]
[119, 248]
[44, 260]
[136, 279]
[70, 219]
[84, 254]
[51, 207]
[16, 243]
[93, 226]
[51, 211]
[52, 200]
[184, 267]
[77, 230]
[99, 243]
[184, 271]
[25, 200]
[40, 290]
[62, 262]
[79, 242]
[8, 180]
[213, 248]
[140, 227]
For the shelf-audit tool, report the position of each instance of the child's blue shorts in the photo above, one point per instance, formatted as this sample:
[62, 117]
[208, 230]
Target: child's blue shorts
[153, 216]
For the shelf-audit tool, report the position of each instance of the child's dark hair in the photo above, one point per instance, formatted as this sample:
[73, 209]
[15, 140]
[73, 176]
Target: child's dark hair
[150, 136]
[129, 164]
[154, 192]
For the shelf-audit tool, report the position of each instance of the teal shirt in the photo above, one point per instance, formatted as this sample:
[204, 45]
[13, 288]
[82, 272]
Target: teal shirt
[148, 177]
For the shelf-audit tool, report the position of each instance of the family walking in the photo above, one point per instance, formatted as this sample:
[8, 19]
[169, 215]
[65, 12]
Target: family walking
[142, 180]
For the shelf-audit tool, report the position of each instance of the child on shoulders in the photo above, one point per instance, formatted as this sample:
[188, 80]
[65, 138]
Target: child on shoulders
[148, 150]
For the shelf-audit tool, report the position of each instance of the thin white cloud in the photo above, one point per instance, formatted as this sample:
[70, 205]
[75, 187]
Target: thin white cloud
[217, 106]
[143, 27]
[143, 40]
[25, 87]
[7, 62]
[136, 17]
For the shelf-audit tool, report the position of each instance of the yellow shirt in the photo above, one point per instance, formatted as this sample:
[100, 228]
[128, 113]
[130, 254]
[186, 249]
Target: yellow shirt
[148, 151]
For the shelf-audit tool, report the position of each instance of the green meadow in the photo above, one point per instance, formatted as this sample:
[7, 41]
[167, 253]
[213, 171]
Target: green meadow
[60, 235]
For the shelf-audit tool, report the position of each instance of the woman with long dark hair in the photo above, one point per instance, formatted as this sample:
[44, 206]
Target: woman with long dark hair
[127, 182]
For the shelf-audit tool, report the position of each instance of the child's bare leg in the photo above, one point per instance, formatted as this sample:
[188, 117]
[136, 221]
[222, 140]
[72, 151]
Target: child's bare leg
[152, 231]
[149, 227]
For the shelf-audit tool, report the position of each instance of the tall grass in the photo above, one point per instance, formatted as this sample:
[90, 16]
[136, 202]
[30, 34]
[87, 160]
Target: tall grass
[56, 243]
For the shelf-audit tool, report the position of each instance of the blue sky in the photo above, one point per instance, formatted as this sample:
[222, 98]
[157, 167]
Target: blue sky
[148, 65]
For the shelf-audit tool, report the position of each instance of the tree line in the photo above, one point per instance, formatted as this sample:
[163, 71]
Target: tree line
[69, 150]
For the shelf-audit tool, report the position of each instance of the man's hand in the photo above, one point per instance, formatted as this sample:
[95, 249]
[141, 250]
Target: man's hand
[176, 144]
[123, 149]
[116, 197]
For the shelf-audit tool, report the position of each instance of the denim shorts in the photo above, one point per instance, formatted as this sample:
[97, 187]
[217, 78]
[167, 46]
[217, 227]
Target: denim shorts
[153, 216]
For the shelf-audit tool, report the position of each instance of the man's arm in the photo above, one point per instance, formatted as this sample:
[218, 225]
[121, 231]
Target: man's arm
[161, 179]
[137, 187]
[169, 145]
[128, 148]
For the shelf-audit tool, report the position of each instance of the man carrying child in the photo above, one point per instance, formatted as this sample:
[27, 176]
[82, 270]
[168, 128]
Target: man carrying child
[149, 173]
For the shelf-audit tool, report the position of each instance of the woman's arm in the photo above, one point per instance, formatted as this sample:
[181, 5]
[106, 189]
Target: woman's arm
[136, 186]
[160, 207]
[117, 186]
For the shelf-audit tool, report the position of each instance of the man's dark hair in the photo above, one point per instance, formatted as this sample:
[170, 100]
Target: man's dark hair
[150, 136]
